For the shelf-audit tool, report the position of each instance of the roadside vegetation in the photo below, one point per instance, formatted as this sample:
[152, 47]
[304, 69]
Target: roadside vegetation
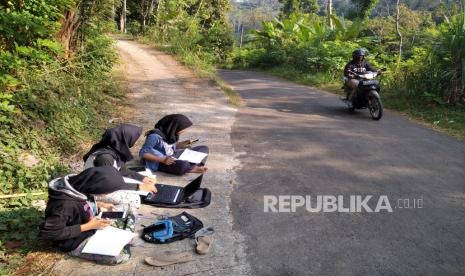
[308, 41]
[423, 50]
[56, 92]
[197, 33]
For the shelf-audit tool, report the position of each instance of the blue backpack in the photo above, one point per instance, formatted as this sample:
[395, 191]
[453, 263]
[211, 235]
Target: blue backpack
[172, 229]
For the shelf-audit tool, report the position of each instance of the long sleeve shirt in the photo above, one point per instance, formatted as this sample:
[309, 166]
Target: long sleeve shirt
[155, 145]
[358, 67]
[63, 219]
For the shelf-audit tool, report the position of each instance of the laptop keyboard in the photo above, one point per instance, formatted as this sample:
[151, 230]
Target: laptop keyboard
[167, 193]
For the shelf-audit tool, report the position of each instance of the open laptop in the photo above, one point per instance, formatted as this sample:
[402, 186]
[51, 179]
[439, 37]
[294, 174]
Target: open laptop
[169, 194]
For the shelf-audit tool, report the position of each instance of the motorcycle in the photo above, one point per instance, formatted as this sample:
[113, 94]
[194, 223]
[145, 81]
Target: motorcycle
[367, 94]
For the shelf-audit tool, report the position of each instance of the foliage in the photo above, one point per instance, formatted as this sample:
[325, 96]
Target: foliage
[299, 6]
[51, 101]
[48, 104]
[19, 225]
[303, 42]
[23, 22]
[433, 62]
[428, 83]
[18, 236]
[363, 8]
[449, 53]
[189, 28]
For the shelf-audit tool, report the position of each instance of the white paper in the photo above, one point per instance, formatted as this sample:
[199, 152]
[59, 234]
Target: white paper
[131, 181]
[143, 193]
[108, 241]
[148, 173]
[192, 156]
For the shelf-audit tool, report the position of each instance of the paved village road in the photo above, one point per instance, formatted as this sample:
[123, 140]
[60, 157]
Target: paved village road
[292, 140]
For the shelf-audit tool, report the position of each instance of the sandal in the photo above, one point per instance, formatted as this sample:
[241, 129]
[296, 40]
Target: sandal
[206, 231]
[203, 244]
[169, 258]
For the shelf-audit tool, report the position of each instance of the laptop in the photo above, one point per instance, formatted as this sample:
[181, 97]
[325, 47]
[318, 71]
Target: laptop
[169, 194]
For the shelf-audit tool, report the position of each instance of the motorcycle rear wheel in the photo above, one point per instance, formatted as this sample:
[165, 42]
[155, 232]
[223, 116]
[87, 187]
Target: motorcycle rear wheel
[374, 105]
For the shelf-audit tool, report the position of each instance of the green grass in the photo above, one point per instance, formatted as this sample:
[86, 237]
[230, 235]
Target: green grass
[447, 119]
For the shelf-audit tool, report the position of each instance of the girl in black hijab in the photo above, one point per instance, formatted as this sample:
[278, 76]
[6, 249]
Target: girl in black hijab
[162, 147]
[70, 216]
[114, 150]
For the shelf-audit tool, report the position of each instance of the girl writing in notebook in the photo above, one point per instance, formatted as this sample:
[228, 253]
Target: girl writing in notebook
[162, 147]
[70, 216]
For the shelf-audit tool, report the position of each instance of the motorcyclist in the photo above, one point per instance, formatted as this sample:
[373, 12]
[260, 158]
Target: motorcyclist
[357, 65]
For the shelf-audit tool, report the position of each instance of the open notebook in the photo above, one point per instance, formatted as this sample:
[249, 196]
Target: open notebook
[148, 173]
[108, 241]
[192, 156]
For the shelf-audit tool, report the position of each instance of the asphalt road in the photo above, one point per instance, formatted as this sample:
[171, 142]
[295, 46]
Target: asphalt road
[292, 140]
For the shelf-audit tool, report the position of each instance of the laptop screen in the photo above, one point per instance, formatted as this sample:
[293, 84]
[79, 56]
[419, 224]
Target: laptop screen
[193, 186]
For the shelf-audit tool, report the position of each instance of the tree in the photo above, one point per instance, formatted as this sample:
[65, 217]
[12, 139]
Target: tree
[399, 34]
[142, 17]
[299, 6]
[76, 16]
[122, 21]
[364, 7]
[309, 6]
[329, 13]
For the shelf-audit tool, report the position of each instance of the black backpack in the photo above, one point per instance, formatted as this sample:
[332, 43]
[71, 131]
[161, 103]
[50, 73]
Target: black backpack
[172, 229]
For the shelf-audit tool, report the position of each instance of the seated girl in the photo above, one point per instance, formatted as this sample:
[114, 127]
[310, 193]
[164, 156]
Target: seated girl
[70, 216]
[161, 147]
[114, 150]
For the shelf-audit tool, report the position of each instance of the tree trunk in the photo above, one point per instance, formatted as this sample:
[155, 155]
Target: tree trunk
[329, 12]
[68, 31]
[242, 35]
[399, 34]
[142, 17]
[158, 13]
[150, 11]
[122, 21]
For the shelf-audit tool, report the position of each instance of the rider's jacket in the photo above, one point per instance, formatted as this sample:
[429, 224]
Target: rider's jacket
[358, 67]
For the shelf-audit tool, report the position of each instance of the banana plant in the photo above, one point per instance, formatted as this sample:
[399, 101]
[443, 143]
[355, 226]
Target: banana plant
[344, 31]
[452, 47]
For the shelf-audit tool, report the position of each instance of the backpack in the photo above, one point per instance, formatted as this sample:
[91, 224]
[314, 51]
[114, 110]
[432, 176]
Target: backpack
[172, 229]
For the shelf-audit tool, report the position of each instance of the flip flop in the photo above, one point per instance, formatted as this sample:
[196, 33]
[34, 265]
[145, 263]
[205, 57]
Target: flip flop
[203, 244]
[169, 258]
[206, 231]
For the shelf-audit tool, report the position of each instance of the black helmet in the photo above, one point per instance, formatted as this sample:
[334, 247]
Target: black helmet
[358, 53]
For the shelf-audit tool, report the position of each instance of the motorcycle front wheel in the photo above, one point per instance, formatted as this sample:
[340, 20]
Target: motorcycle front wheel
[374, 105]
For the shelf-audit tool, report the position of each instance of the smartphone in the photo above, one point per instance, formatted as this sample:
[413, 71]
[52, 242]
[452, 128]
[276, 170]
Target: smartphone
[138, 169]
[195, 141]
[112, 215]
